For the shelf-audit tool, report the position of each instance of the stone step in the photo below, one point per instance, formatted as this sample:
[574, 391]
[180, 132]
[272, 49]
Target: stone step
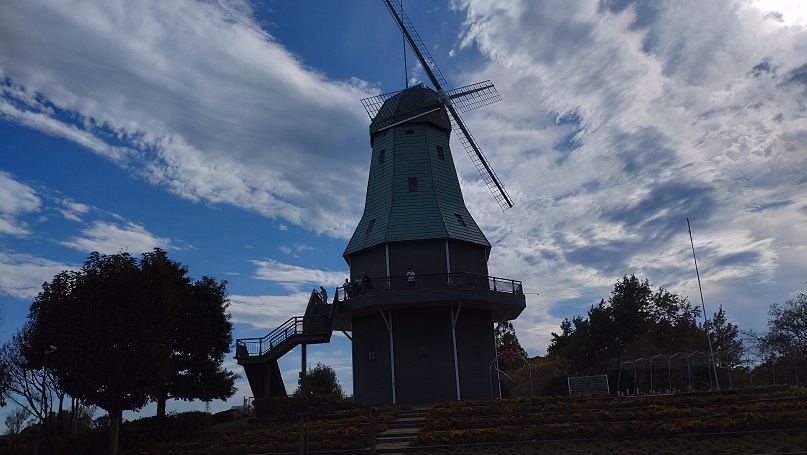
[384, 441]
[419, 423]
[406, 431]
[402, 431]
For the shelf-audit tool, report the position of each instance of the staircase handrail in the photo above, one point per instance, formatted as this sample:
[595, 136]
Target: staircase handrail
[258, 346]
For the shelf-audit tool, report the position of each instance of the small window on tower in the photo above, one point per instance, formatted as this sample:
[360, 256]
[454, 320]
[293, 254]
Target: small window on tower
[410, 131]
[413, 184]
[370, 226]
[440, 153]
[459, 219]
[381, 155]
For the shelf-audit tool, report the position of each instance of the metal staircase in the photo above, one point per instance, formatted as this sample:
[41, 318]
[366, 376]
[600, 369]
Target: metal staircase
[259, 356]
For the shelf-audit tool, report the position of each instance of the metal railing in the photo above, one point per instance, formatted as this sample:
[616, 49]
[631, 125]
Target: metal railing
[433, 283]
[247, 347]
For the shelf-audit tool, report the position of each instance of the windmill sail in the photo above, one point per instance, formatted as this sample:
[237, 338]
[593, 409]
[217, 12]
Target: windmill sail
[476, 96]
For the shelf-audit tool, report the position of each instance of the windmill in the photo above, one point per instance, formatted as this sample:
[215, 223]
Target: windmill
[454, 101]
[422, 337]
[428, 337]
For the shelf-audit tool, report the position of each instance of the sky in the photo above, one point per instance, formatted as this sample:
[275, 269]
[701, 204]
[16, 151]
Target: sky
[230, 133]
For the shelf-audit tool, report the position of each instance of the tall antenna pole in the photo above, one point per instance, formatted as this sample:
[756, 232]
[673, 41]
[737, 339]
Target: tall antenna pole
[703, 306]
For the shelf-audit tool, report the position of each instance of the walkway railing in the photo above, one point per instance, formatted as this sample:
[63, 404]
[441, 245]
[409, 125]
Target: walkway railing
[247, 347]
[432, 283]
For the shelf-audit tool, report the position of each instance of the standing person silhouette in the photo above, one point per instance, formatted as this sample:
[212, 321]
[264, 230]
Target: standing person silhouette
[410, 278]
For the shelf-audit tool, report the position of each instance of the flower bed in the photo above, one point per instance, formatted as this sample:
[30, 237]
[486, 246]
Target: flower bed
[543, 419]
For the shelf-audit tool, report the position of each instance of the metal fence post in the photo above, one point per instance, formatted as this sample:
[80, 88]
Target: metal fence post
[372, 431]
[303, 435]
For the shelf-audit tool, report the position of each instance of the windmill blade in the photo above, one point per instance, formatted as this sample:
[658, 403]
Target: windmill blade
[373, 104]
[487, 94]
[424, 57]
[474, 96]
[479, 160]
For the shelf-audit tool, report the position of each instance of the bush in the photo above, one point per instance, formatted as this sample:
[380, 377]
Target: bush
[557, 386]
[150, 430]
[221, 417]
[290, 408]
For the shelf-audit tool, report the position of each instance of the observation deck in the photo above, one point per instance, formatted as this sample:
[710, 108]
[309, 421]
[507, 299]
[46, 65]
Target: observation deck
[504, 297]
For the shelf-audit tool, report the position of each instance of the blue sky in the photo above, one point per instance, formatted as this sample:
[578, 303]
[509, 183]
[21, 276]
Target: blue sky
[231, 134]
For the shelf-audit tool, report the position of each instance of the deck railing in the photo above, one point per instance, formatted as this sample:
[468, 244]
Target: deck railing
[433, 283]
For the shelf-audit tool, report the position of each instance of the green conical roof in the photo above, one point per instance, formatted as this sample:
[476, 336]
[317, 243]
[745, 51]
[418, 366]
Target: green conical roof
[413, 192]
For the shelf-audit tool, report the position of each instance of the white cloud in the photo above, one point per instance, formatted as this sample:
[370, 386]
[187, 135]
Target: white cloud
[267, 311]
[662, 111]
[16, 199]
[22, 275]
[74, 210]
[295, 277]
[109, 238]
[208, 105]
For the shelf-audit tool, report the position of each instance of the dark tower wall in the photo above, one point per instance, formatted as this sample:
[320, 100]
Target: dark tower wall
[476, 347]
[423, 349]
[372, 367]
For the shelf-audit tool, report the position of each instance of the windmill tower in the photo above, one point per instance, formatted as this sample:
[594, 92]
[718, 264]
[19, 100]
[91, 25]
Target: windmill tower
[428, 338]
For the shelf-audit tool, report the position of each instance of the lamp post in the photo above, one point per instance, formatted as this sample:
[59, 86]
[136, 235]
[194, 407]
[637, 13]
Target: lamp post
[50, 350]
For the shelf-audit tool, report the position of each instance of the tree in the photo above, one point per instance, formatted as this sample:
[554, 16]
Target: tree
[122, 327]
[322, 381]
[508, 346]
[634, 322]
[202, 337]
[26, 383]
[112, 331]
[726, 343]
[16, 420]
[506, 339]
[787, 328]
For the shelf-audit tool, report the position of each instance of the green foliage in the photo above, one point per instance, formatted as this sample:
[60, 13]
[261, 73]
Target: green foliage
[634, 322]
[112, 331]
[787, 328]
[202, 336]
[552, 418]
[506, 339]
[507, 342]
[726, 342]
[322, 381]
[290, 408]
[130, 331]
[557, 386]
[16, 420]
[151, 430]
[222, 416]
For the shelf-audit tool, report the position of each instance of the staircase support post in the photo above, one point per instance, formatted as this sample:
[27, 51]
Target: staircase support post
[304, 373]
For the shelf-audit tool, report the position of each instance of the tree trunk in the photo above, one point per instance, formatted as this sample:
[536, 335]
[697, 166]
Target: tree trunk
[115, 417]
[73, 428]
[161, 399]
[60, 416]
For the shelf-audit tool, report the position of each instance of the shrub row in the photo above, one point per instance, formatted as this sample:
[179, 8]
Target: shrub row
[542, 419]
[620, 429]
[647, 412]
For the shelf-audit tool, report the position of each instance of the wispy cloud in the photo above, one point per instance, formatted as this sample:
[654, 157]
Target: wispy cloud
[109, 238]
[190, 96]
[295, 277]
[22, 275]
[15, 199]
